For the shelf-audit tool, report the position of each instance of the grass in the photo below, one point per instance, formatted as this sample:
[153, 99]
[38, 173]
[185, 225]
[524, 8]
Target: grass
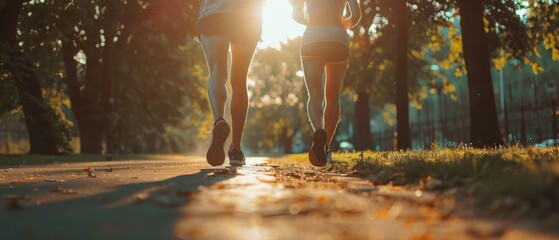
[522, 180]
[24, 159]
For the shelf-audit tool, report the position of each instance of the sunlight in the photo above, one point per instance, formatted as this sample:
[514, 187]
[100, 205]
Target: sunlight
[278, 25]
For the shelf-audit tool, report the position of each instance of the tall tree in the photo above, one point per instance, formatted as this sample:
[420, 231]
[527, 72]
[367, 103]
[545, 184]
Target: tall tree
[484, 129]
[47, 134]
[361, 74]
[402, 17]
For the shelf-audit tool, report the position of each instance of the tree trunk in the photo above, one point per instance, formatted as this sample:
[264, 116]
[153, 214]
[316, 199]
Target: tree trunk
[38, 115]
[83, 103]
[107, 98]
[402, 101]
[523, 140]
[554, 134]
[362, 131]
[537, 107]
[92, 133]
[286, 140]
[107, 89]
[484, 129]
[74, 92]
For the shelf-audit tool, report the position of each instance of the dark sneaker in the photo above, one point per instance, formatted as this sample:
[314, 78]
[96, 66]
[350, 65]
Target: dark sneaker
[216, 154]
[236, 158]
[317, 154]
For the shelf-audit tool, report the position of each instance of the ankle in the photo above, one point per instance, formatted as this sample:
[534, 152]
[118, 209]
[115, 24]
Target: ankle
[235, 149]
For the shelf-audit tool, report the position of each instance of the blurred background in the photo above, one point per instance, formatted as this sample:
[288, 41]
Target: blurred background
[129, 76]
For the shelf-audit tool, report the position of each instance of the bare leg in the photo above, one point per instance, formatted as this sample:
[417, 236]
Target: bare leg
[241, 56]
[314, 72]
[216, 49]
[335, 75]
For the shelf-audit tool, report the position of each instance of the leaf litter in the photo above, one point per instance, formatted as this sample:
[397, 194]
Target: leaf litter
[90, 172]
[64, 191]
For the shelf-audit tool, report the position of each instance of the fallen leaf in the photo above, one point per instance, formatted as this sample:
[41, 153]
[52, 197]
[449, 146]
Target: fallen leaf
[323, 199]
[55, 180]
[141, 197]
[90, 172]
[13, 204]
[430, 183]
[64, 191]
[409, 221]
[218, 186]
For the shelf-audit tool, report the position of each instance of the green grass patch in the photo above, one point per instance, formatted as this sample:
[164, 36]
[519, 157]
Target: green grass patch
[505, 178]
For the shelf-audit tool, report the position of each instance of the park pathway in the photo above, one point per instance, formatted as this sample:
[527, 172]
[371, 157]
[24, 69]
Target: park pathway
[179, 197]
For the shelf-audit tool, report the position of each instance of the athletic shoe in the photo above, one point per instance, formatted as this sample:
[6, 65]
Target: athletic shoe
[317, 154]
[236, 158]
[216, 154]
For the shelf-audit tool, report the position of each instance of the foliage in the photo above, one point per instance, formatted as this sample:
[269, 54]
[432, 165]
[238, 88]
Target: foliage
[277, 99]
[372, 63]
[516, 30]
[543, 25]
[150, 45]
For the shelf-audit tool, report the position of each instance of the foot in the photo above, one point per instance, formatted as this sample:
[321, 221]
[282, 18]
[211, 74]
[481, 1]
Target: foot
[216, 153]
[317, 154]
[236, 157]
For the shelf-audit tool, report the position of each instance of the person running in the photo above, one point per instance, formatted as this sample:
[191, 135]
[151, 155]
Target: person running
[324, 50]
[229, 26]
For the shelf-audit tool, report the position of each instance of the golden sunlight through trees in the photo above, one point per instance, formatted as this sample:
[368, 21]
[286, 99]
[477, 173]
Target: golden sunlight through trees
[277, 24]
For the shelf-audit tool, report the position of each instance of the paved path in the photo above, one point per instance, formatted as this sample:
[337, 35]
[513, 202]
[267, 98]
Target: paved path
[181, 198]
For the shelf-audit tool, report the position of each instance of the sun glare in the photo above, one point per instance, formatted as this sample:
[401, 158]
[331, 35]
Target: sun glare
[277, 24]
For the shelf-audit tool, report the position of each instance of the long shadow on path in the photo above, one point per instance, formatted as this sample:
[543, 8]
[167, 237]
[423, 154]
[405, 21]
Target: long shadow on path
[145, 210]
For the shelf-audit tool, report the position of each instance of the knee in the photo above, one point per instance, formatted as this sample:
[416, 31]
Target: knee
[239, 89]
[216, 85]
[332, 101]
[218, 75]
[316, 96]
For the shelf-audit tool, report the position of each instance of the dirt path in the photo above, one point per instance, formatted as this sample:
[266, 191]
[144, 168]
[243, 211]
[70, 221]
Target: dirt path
[180, 198]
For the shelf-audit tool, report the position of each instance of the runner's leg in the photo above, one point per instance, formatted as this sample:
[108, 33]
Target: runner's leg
[241, 57]
[216, 49]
